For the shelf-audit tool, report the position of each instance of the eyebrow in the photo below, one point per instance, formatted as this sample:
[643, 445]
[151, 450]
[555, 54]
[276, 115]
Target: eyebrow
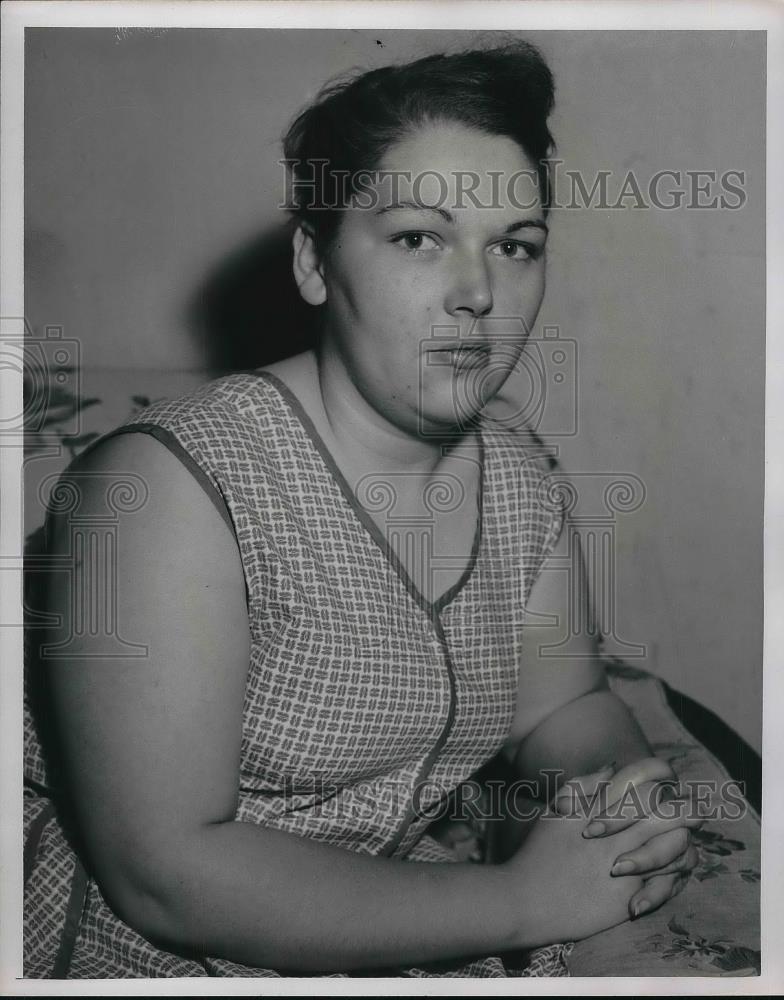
[528, 224]
[398, 205]
[448, 217]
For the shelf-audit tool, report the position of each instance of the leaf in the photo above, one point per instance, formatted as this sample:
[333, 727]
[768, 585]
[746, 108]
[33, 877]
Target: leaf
[676, 928]
[55, 414]
[712, 842]
[737, 958]
[657, 942]
[80, 440]
[57, 408]
[711, 870]
[56, 395]
[89, 401]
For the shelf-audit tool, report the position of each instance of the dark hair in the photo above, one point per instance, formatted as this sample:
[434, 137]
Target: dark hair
[505, 90]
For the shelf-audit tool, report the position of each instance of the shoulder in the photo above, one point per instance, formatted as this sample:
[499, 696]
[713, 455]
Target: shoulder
[520, 453]
[528, 470]
[138, 484]
[224, 423]
[209, 450]
[226, 398]
[139, 512]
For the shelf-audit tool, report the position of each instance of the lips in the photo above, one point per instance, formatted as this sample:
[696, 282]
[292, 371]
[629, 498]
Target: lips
[462, 357]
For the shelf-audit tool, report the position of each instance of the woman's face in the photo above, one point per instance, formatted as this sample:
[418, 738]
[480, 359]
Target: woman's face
[432, 290]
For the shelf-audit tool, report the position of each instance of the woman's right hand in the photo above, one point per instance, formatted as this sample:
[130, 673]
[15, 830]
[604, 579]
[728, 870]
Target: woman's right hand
[648, 785]
[568, 876]
[564, 881]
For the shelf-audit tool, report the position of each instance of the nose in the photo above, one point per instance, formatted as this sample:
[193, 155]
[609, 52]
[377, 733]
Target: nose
[470, 289]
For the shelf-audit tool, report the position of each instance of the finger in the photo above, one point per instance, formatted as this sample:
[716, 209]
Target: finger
[668, 852]
[637, 803]
[651, 799]
[640, 833]
[637, 790]
[580, 795]
[656, 890]
[593, 793]
[683, 865]
[658, 852]
[629, 783]
[639, 772]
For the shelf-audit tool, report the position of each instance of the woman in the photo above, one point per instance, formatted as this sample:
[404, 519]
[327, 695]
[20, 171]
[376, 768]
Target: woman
[328, 587]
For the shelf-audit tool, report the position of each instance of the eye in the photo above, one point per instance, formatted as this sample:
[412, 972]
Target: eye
[415, 241]
[515, 250]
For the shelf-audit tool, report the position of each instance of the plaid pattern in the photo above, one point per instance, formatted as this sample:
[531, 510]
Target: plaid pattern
[46, 895]
[363, 699]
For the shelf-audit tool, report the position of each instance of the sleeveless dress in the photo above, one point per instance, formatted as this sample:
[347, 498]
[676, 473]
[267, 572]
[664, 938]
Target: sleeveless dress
[366, 705]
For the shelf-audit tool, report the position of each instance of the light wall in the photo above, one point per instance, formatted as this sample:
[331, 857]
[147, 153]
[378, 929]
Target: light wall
[151, 158]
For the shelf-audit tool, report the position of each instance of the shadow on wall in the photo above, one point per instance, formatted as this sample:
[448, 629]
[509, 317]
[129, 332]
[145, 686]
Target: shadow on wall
[248, 311]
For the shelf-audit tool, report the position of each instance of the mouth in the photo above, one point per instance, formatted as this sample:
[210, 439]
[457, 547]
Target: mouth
[462, 357]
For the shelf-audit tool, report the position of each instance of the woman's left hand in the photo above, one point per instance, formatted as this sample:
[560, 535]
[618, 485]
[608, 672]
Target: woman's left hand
[639, 792]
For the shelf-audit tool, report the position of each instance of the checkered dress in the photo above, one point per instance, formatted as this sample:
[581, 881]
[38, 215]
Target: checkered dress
[366, 704]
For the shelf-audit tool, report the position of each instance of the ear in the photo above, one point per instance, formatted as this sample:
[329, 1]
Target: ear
[307, 267]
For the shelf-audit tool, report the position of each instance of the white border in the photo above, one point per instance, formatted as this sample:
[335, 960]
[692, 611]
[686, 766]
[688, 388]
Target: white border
[521, 15]
[526, 15]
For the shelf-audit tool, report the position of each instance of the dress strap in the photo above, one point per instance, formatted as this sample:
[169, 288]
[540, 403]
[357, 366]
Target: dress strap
[167, 438]
[33, 840]
[73, 917]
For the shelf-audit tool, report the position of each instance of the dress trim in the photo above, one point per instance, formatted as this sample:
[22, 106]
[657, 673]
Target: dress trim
[33, 840]
[170, 441]
[427, 765]
[166, 437]
[73, 917]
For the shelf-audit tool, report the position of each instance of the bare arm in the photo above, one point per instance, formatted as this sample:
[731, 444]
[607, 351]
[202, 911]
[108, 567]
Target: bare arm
[568, 721]
[152, 748]
[567, 718]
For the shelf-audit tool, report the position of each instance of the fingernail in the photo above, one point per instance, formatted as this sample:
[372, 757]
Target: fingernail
[595, 829]
[642, 907]
[623, 868]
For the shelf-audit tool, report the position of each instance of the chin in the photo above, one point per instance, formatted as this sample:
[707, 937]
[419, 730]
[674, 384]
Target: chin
[446, 423]
[451, 405]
